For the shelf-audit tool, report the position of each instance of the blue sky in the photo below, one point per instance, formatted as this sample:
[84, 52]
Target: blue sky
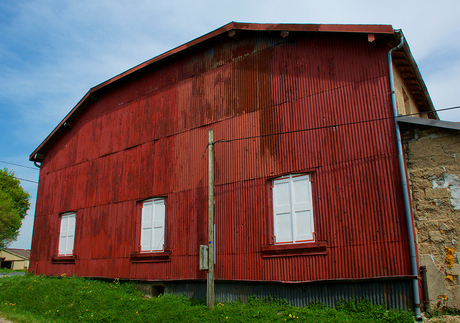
[53, 52]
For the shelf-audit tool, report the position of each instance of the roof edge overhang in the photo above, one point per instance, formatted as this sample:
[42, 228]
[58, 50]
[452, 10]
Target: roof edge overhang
[410, 58]
[39, 153]
[15, 254]
[414, 121]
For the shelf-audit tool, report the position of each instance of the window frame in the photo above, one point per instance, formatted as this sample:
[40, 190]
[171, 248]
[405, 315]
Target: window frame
[305, 205]
[68, 233]
[153, 221]
[140, 254]
[298, 248]
[65, 257]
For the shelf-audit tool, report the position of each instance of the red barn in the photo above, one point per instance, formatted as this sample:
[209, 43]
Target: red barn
[309, 198]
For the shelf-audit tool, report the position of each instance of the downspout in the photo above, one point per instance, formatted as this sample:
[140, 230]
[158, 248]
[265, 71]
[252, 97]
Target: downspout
[405, 187]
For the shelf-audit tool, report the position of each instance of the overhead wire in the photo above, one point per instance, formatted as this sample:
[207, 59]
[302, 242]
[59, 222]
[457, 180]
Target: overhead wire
[330, 126]
[19, 165]
[21, 179]
[27, 180]
[4, 162]
[268, 135]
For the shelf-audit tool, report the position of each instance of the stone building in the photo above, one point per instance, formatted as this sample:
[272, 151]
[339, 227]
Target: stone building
[432, 150]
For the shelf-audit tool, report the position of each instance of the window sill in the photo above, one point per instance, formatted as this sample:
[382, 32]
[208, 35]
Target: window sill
[295, 249]
[63, 259]
[162, 256]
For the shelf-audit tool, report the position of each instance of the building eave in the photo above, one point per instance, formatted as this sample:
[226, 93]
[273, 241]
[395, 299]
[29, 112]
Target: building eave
[413, 78]
[11, 252]
[414, 121]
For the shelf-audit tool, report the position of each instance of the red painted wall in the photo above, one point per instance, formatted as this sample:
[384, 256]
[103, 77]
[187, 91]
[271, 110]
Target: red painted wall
[145, 137]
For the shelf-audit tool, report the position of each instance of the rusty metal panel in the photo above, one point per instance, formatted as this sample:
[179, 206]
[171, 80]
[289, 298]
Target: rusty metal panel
[304, 105]
[393, 294]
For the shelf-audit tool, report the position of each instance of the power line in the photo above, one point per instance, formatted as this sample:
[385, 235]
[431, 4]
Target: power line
[1, 161]
[21, 179]
[267, 135]
[27, 180]
[332, 126]
[445, 109]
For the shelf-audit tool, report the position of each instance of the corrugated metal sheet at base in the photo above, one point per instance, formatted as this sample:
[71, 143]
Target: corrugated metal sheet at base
[391, 293]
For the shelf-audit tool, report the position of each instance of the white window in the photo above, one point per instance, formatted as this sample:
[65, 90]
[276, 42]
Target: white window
[292, 209]
[153, 225]
[67, 234]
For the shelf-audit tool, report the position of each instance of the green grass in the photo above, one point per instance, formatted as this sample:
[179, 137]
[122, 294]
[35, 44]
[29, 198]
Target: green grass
[32, 298]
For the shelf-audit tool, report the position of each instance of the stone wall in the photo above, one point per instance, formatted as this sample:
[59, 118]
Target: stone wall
[433, 156]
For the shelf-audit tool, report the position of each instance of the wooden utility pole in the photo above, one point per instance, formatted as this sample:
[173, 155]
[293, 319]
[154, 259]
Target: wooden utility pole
[210, 280]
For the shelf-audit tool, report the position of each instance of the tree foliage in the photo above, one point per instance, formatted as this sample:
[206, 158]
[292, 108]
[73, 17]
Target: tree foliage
[14, 204]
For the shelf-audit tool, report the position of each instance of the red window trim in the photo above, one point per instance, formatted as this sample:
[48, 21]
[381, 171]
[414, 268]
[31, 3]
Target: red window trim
[64, 258]
[273, 249]
[140, 257]
[61, 259]
[295, 249]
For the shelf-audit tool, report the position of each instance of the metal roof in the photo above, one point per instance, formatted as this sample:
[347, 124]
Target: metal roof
[429, 122]
[22, 253]
[232, 29]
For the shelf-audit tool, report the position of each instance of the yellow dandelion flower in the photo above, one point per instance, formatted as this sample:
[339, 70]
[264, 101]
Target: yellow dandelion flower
[290, 315]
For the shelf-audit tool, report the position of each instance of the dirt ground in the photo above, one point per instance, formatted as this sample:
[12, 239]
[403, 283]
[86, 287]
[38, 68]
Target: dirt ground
[444, 319]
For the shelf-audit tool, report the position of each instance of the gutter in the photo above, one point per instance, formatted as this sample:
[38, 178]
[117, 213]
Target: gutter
[402, 168]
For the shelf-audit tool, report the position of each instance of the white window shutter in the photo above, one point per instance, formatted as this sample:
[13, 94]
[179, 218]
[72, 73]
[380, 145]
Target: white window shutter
[70, 234]
[302, 208]
[67, 234]
[158, 224]
[153, 225]
[146, 230]
[63, 235]
[292, 209]
[282, 210]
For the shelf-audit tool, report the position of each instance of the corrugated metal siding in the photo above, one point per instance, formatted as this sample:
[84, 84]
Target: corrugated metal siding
[145, 138]
[393, 294]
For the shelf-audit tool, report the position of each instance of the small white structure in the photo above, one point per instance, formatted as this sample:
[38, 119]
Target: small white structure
[15, 259]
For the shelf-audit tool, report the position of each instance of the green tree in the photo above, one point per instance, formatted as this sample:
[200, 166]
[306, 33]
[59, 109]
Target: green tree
[14, 203]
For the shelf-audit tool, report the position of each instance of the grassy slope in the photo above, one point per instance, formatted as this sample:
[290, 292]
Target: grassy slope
[32, 298]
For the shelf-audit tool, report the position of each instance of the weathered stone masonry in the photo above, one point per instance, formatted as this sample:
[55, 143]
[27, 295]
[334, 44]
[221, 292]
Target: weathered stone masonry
[432, 151]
